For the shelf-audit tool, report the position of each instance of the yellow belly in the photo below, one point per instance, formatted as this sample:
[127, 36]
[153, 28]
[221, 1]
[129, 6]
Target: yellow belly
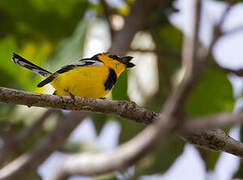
[83, 82]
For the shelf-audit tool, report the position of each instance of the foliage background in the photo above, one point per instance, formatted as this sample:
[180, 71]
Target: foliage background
[54, 33]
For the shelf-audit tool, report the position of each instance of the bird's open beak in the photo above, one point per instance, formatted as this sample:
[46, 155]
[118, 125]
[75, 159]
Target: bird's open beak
[126, 60]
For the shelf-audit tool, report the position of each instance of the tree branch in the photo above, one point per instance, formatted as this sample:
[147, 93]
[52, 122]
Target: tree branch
[217, 120]
[122, 108]
[233, 30]
[166, 52]
[25, 165]
[12, 144]
[238, 72]
[215, 140]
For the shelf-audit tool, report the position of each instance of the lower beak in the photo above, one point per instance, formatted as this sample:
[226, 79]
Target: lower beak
[129, 65]
[126, 60]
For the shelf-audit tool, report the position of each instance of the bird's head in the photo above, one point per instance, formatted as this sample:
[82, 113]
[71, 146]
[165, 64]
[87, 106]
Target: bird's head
[108, 58]
[119, 64]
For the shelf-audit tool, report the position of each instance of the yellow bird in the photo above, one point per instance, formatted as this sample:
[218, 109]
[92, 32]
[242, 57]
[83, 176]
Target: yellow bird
[90, 77]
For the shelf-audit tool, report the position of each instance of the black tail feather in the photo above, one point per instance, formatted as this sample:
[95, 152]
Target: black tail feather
[23, 62]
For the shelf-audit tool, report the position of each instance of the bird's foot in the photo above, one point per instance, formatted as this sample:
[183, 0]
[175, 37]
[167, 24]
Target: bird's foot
[70, 94]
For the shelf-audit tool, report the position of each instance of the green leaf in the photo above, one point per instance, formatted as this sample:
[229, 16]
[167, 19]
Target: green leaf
[119, 92]
[210, 158]
[99, 121]
[170, 37]
[213, 94]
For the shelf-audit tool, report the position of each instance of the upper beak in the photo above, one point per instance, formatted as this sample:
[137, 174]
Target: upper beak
[126, 60]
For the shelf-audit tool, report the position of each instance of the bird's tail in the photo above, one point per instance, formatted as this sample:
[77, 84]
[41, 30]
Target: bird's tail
[23, 62]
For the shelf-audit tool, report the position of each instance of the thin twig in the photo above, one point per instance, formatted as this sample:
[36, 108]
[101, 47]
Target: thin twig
[217, 120]
[233, 30]
[107, 13]
[217, 30]
[238, 72]
[225, 13]
[165, 52]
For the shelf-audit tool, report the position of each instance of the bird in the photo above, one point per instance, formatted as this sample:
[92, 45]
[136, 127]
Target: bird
[89, 77]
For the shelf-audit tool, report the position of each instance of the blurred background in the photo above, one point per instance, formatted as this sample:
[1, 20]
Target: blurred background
[53, 33]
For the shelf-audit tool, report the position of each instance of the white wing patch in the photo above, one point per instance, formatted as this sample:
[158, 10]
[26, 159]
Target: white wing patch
[23, 62]
[29, 66]
[87, 62]
[15, 60]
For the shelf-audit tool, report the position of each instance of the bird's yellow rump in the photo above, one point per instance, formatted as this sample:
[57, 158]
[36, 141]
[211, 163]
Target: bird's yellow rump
[90, 77]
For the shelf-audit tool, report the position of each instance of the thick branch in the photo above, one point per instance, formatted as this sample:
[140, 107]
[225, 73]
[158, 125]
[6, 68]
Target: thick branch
[123, 108]
[26, 165]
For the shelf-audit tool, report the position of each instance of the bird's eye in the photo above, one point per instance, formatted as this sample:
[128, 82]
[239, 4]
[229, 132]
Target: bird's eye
[114, 57]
